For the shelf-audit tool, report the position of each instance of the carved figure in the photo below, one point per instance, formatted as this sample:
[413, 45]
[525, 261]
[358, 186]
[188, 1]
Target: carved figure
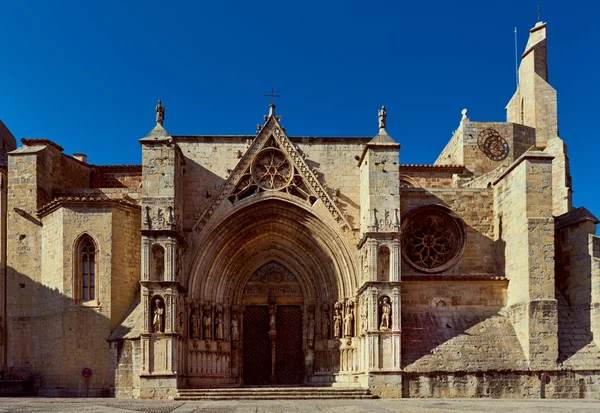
[325, 323]
[364, 316]
[337, 324]
[158, 320]
[207, 322]
[386, 311]
[160, 113]
[219, 332]
[160, 218]
[310, 334]
[235, 332]
[195, 324]
[349, 323]
[382, 117]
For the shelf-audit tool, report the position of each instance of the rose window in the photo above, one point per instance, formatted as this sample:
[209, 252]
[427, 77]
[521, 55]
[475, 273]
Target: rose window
[272, 169]
[432, 239]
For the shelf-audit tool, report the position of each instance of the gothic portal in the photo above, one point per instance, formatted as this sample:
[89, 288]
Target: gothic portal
[273, 260]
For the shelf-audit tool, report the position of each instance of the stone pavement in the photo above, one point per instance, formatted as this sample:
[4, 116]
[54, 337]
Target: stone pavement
[37, 404]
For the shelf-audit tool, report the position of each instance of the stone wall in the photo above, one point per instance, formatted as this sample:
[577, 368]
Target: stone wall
[475, 208]
[210, 159]
[525, 239]
[124, 176]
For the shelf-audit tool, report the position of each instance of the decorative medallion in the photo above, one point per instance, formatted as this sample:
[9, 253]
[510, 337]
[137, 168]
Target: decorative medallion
[492, 144]
[433, 238]
[271, 169]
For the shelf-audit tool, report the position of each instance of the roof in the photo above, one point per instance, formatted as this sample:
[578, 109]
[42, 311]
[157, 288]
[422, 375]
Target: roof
[59, 201]
[432, 168]
[39, 142]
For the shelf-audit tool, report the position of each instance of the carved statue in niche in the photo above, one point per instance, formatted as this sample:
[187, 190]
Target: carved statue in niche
[235, 331]
[195, 323]
[386, 311]
[310, 333]
[207, 323]
[219, 323]
[309, 362]
[364, 315]
[158, 318]
[349, 319]
[337, 320]
[325, 323]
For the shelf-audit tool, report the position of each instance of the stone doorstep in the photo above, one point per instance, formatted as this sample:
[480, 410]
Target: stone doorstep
[273, 393]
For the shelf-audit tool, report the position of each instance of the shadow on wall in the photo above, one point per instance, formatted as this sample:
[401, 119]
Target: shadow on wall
[450, 321]
[50, 340]
[207, 184]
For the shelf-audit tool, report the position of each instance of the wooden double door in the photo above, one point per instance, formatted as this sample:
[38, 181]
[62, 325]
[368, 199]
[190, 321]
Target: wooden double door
[261, 348]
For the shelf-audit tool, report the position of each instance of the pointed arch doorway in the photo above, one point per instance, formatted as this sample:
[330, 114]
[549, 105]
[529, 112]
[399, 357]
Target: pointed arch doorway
[273, 349]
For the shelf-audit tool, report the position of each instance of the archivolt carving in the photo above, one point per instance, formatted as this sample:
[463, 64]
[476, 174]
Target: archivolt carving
[433, 238]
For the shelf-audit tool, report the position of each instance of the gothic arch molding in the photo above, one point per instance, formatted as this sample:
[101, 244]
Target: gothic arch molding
[267, 228]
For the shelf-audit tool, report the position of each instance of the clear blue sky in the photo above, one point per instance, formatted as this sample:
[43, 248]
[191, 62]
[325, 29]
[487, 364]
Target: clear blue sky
[87, 74]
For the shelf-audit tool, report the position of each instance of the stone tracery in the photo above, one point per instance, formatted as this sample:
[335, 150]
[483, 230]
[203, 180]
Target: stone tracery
[433, 239]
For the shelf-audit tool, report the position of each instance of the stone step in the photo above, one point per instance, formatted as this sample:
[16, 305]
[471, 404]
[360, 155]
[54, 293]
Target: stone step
[273, 393]
[277, 397]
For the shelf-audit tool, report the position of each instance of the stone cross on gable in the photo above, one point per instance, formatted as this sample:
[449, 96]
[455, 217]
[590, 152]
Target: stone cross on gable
[272, 95]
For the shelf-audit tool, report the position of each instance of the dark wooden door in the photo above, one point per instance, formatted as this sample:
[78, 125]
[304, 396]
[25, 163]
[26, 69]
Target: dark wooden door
[257, 346]
[289, 365]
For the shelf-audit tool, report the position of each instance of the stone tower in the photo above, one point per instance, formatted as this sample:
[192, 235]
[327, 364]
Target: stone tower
[379, 252]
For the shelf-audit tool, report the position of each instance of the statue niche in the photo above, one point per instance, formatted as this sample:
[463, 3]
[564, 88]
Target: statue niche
[157, 263]
[385, 309]
[158, 315]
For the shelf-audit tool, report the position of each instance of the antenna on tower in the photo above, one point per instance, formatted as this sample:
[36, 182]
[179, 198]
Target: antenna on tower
[516, 60]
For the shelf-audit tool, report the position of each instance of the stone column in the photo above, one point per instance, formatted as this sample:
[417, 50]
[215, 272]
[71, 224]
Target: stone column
[145, 258]
[372, 246]
[395, 260]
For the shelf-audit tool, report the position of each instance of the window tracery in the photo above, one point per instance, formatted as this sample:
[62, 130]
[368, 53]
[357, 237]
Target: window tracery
[271, 170]
[433, 238]
[86, 270]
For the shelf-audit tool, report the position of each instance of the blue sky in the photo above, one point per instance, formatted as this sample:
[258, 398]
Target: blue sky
[87, 74]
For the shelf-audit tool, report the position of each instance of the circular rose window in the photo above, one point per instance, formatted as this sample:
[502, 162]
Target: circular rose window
[433, 238]
[271, 169]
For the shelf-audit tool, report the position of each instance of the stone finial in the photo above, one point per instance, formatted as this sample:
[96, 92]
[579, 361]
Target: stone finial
[464, 115]
[382, 118]
[160, 113]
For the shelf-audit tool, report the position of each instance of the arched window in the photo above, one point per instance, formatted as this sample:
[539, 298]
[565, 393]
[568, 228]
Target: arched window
[86, 269]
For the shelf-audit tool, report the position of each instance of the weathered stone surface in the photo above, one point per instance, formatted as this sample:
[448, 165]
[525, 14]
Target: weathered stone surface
[223, 261]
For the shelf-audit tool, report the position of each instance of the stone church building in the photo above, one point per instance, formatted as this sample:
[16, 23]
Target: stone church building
[269, 259]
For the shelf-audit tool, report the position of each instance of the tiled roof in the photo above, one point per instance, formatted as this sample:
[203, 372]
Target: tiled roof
[83, 199]
[40, 141]
[431, 168]
[119, 168]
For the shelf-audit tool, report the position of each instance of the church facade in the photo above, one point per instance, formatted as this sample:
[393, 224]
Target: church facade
[226, 261]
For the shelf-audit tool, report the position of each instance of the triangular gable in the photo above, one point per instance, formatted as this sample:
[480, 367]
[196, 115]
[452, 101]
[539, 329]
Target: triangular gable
[272, 163]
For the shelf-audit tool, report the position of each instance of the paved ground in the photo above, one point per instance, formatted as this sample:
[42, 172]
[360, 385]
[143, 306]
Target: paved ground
[35, 404]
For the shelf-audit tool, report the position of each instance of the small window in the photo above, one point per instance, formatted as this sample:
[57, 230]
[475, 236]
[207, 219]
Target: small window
[86, 270]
